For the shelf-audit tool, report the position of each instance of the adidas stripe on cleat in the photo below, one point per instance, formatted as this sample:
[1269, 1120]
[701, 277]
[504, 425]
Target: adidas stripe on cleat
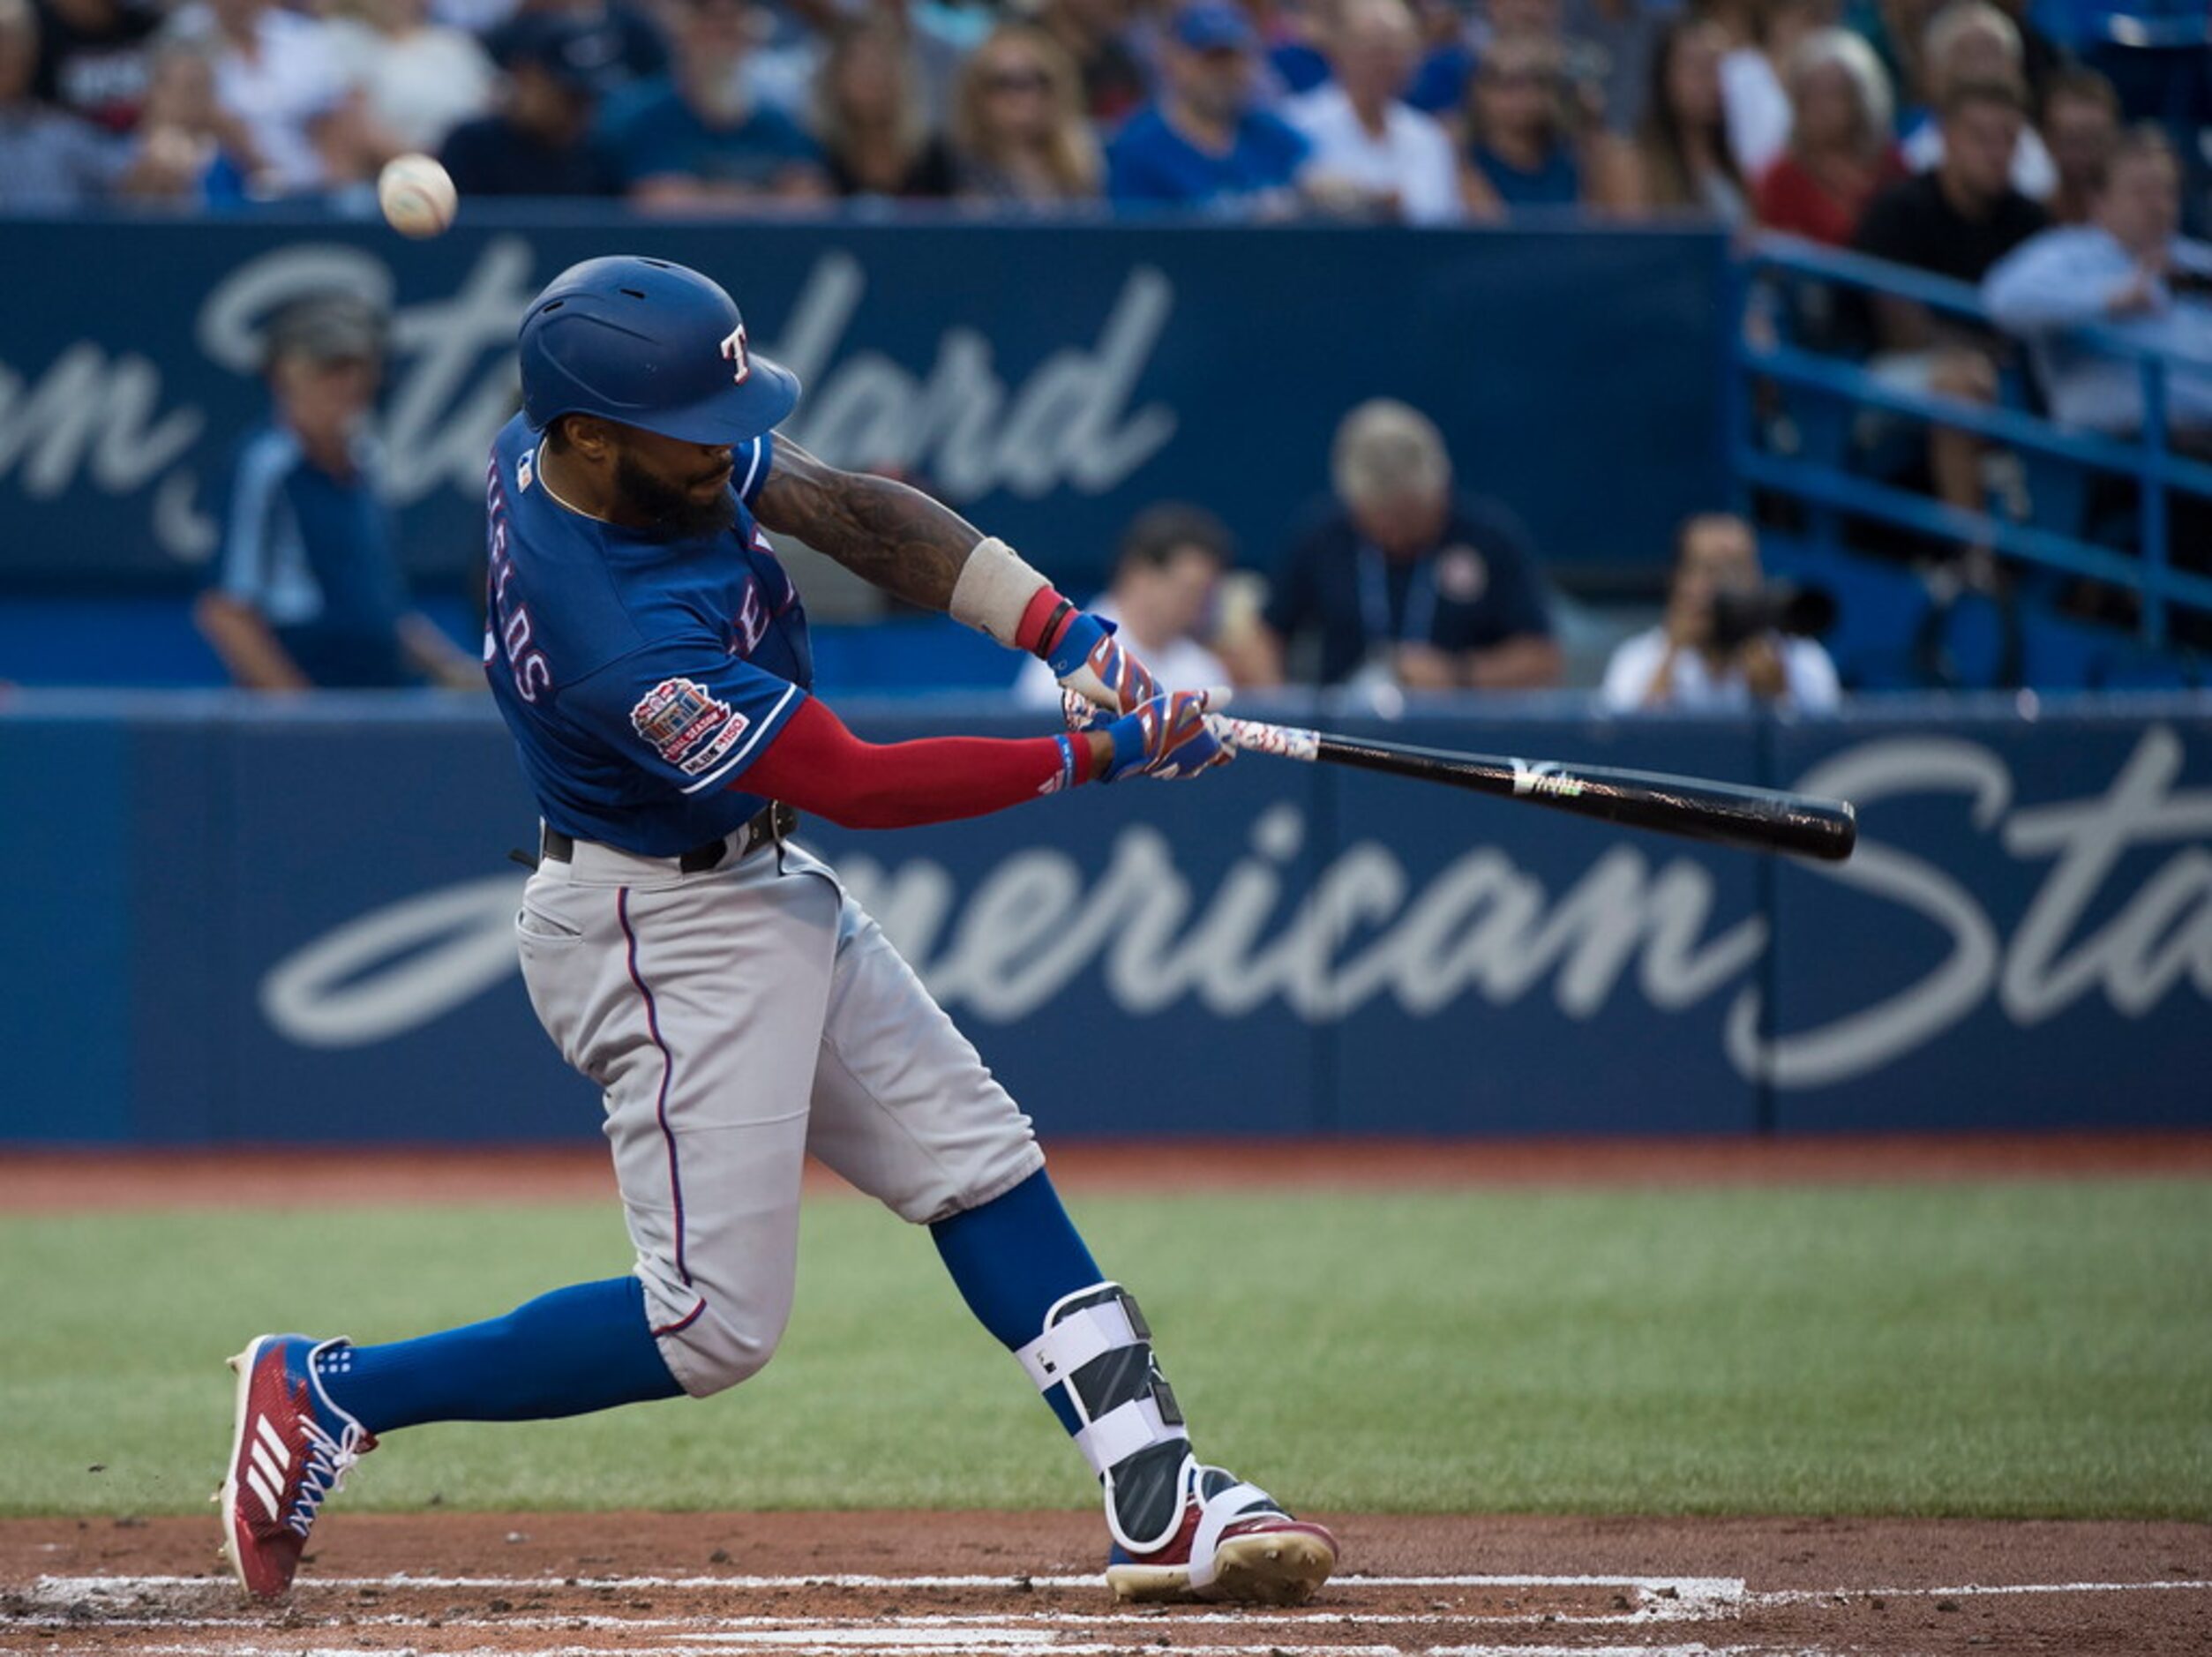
[290, 1447]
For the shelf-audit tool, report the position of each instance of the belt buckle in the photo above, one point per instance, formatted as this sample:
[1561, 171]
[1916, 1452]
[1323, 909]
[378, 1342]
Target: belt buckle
[771, 823]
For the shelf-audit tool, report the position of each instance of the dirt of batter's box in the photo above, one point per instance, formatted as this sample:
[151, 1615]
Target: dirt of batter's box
[578, 1583]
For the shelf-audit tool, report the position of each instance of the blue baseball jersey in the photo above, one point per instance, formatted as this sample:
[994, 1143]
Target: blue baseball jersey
[315, 556]
[1150, 163]
[640, 674]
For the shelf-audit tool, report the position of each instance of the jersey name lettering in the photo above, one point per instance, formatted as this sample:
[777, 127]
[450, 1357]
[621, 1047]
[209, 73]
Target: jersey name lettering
[748, 625]
[508, 619]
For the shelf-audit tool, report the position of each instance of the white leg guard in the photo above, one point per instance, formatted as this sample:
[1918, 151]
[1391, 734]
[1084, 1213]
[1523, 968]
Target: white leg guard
[1096, 1350]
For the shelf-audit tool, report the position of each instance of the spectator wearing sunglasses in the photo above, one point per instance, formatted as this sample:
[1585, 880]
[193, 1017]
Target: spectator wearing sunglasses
[1529, 141]
[1018, 132]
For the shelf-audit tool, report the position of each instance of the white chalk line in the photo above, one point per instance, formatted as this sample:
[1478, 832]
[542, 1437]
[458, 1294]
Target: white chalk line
[705, 1642]
[1801, 1596]
[370, 1617]
[1659, 1599]
[1692, 1649]
[1029, 1622]
[1703, 1587]
[1706, 1591]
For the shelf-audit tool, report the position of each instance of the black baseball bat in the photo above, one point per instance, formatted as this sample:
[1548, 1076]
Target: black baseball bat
[1757, 819]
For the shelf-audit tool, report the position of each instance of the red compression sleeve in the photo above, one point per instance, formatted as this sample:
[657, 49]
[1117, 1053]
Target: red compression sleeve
[819, 765]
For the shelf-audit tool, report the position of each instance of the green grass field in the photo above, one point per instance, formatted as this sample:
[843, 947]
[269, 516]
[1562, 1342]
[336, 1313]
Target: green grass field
[2031, 1349]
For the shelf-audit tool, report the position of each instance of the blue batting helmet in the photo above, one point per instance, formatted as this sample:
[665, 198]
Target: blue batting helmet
[648, 344]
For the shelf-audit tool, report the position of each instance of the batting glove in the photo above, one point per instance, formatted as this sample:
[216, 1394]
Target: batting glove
[1087, 660]
[1170, 736]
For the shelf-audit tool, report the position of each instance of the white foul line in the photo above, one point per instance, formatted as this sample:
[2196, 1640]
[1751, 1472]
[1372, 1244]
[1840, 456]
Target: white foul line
[368, 1617]
[1800, 1596]
[1693, 1649]
[1711, 1589]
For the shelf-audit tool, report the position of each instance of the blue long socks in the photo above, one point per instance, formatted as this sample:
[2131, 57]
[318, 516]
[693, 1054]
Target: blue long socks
[1011, 1259]
[579, 1349]
[591, 1347]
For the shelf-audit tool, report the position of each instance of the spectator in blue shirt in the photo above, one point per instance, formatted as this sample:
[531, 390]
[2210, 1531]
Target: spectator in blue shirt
[697, 140]
[541, 142]
[2128, 271]
[309, 590]
[1401, 585]
[2121, 269]
[1202, 143]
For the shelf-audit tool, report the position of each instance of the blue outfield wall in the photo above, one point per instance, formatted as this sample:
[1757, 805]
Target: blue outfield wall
[1052, 379]
[233, 921]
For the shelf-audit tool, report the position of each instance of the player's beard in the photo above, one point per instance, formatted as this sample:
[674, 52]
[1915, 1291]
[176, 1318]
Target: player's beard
[670, 506]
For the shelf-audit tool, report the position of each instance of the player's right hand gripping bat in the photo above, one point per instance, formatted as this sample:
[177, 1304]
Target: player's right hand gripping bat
[1759, 819]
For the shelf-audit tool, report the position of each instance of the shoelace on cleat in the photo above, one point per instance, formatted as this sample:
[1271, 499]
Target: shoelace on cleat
[327, 1465]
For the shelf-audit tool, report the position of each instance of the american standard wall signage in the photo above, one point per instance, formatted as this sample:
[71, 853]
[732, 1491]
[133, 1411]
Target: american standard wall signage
[1055, 379]
[2023, 938]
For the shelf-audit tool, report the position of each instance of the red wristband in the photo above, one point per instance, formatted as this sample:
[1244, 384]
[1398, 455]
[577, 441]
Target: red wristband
[1046, 618]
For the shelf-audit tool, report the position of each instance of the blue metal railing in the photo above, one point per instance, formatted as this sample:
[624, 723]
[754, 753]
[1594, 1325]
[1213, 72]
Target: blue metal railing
[1830, 389]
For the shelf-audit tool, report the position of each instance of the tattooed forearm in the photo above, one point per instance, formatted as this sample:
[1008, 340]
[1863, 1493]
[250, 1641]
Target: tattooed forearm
[884, 532]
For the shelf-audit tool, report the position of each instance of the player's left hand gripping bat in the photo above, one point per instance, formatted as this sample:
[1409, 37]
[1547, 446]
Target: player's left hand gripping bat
[1757, 818]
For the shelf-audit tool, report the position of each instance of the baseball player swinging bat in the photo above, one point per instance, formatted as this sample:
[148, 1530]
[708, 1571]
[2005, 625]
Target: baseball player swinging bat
[733, 1005]
[1757, 818]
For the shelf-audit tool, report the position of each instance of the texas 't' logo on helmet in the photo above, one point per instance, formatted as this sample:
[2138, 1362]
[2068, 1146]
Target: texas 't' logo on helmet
[734, 350]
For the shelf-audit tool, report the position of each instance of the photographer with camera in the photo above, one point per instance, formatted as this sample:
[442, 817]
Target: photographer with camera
[1728, 640]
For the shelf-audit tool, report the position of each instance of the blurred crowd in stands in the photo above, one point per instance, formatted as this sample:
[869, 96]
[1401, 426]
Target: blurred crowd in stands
[1797, 115]
[2050, 153]
[1401, 580]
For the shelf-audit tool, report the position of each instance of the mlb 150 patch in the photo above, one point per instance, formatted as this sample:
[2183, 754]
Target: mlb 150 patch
[689, 728]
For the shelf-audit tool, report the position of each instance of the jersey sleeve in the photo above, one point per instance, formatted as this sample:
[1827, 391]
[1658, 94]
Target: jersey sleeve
[750, 463]
[248, 569]
[683, 711]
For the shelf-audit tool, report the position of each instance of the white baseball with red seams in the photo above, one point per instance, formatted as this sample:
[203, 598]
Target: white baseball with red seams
[417, 196]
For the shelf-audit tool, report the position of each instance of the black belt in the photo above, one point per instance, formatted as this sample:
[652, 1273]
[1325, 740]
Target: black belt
[773, 821]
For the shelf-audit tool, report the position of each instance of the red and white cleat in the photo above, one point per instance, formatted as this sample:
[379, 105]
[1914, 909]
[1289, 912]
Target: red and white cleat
[291, 1447]
[1235, 1543]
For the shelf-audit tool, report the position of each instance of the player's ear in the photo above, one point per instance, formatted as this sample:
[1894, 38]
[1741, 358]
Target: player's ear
[591, 439]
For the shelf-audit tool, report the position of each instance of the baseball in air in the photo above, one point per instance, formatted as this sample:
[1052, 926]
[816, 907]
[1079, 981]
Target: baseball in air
[417, 195]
